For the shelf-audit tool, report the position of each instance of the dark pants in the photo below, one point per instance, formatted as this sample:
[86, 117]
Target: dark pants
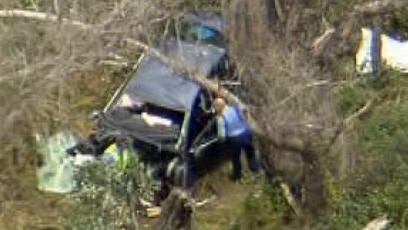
[235, 146]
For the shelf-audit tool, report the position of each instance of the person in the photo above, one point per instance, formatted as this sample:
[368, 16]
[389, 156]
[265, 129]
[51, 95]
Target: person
[234, 131]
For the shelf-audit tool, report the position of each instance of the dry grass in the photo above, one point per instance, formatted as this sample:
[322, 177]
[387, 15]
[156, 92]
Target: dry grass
[51, 75]
[290, 92]
[51, 78]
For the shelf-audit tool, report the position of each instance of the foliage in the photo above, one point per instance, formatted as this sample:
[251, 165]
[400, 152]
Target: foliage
[102, 202]
[264, 208]
[378, 186]
[108, 197]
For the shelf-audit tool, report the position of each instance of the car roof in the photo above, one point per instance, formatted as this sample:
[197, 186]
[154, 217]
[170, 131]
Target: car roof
[158, 83]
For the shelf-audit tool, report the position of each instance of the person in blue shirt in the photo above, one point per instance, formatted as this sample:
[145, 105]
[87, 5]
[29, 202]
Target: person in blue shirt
[235, 132]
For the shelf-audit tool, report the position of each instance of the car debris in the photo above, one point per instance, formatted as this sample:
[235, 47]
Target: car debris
[57, 171]
[377, 48]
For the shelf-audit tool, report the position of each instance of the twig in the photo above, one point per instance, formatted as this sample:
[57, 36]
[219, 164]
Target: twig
[114, 63]
[320, 43]
[360, 112]
[297, 92]
[346, 122]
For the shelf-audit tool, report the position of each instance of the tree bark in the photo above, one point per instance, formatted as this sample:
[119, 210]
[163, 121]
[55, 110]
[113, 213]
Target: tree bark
[176, 212]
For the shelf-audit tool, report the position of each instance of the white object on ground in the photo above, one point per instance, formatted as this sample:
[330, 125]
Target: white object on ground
[153, 120]
[57, 173]
[81, 159]
[126, 101]
[391, 52]
[379, 223]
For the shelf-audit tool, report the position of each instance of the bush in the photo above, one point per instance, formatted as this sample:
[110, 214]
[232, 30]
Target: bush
[108, 197]
[378, 186]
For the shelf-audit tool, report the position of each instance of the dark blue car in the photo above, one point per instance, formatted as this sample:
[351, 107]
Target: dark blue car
[165, 114]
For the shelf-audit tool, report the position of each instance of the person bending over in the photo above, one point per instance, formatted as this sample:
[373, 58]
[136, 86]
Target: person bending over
[236, 133]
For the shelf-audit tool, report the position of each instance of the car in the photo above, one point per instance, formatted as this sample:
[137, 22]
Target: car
[163, 114]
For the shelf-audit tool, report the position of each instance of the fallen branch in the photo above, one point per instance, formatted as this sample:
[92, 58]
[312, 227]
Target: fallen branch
[120, 64]
[43, 17]
[379, 6]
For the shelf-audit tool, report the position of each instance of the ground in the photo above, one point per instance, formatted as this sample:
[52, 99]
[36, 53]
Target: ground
[28, 208]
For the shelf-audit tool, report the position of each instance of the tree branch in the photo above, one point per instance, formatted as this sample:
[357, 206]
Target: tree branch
[297, 92]
[42, 17]
[346, 122]
[379, 6]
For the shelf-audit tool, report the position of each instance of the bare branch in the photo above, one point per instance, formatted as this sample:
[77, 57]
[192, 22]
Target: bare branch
[320, 43]
[346, 122]
[118, 11]
[379, 6]
[42, 17]
[360, 112]
[297, 92]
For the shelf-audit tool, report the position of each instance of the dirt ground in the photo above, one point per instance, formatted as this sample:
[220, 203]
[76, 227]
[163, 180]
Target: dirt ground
[23, 206]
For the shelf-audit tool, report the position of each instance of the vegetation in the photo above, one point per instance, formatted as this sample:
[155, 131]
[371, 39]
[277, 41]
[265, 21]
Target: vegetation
[53, 75]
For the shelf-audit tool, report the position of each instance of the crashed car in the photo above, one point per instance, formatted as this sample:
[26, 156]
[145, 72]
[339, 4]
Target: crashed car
[166, 115]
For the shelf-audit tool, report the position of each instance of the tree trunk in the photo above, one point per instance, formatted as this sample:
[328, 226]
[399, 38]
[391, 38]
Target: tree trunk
[176, 212]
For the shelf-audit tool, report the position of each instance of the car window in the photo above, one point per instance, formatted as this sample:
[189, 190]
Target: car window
[197, 32]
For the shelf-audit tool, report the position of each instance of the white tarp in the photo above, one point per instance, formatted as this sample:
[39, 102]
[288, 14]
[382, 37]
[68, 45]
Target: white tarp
[376, 49]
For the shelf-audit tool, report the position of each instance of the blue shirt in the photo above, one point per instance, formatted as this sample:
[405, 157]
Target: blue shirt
[231, 123]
